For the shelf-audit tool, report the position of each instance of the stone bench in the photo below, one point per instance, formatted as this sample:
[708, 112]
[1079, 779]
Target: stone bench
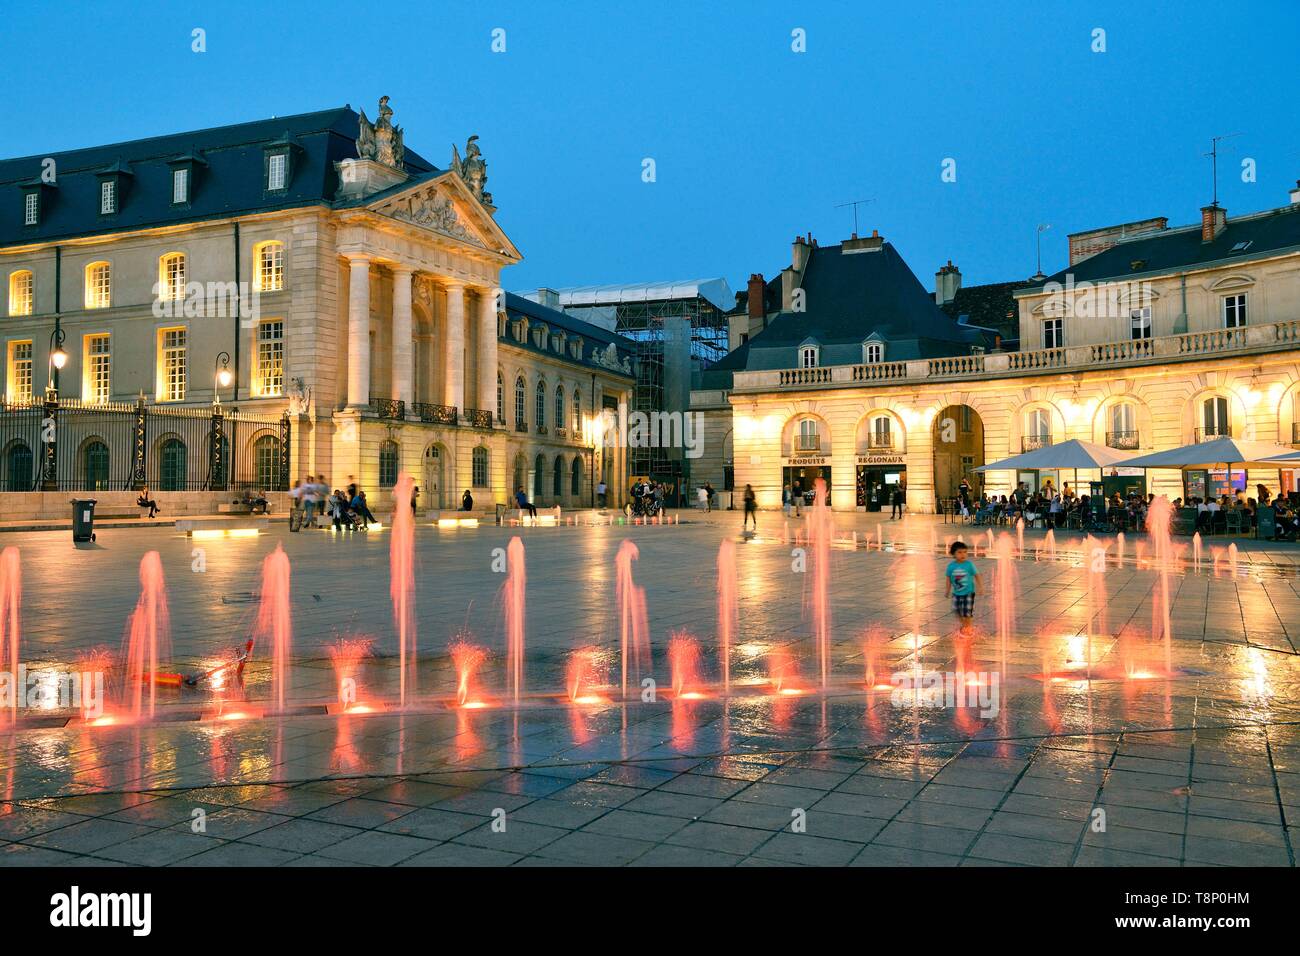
[191, 526]
[238, 508]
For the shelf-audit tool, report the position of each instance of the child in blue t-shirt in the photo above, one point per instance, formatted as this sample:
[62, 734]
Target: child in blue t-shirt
[963, 584]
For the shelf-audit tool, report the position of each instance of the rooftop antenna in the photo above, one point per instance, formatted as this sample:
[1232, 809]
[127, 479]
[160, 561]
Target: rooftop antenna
[1214, 165]
[855, 203]
[1042, 228]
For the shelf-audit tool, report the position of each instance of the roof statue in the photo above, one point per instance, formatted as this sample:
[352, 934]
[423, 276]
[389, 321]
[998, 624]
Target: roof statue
[472, 169]
[381, 141]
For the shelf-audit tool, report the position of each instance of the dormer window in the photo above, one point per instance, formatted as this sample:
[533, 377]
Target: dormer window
[107, 197]
[277, 169]
[180, 185]
[808, 356]
[32, 207]
[113, 184]
[874, 352]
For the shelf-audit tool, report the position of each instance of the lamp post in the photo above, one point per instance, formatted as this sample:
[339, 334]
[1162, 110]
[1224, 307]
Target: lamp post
[50, 423]
[221, 376]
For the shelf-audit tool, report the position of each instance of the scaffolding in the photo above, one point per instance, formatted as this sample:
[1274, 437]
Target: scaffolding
[643, 321]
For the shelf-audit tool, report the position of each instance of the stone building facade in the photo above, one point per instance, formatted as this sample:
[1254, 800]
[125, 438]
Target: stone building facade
[311, 267]
[1152, 338]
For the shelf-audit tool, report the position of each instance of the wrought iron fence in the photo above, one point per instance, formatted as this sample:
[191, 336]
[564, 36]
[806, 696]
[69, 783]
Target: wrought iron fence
[437, 414]
[70, 446]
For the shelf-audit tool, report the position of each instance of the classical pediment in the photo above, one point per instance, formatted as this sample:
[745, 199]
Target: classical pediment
[444, 205]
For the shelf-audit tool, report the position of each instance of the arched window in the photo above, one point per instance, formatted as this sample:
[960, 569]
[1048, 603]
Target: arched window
[1214, 418]
[95, 459]
[875, 352]
[577, 414]
[172, 277]
[541, 405]
[559, 406]
[521, 405]
[557, 478]
[99, 285]
[20, 292]
[480, 472]
[539, 478]
[173, 460]
[882, 432]
[501, 398]
[808, 356]
[809, 438]
[1121, 426]
[518, 483]
[575, 479]
[1038, 429]
[19, 475]
[268, 267]
[266, 462]
[388, 463]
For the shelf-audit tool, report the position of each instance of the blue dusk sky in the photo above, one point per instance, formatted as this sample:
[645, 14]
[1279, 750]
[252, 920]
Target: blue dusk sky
[752, 142]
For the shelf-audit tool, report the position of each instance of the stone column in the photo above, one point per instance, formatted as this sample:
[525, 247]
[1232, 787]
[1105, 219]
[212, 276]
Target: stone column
[487, 352]
[403, 344]
[359, 332]
[454, 354]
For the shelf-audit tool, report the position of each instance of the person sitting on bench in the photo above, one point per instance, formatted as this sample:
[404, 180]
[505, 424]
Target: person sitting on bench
[521, 499]
[144, 501]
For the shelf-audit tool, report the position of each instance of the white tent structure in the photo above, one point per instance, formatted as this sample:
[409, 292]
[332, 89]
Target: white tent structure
[1074, 454]
[1218, 453]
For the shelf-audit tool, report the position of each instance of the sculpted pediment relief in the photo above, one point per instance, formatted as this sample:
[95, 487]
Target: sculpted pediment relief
[433, 209]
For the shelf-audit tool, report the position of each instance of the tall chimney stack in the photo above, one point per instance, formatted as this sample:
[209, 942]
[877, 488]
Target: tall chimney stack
[1214, 219]
[946, 283]
[755, 305]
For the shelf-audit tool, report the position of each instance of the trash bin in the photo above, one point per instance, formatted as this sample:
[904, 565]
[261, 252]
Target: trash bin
[83, 519]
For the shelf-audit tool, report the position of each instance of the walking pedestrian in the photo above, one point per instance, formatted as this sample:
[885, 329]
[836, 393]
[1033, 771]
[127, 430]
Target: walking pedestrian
[751, 508]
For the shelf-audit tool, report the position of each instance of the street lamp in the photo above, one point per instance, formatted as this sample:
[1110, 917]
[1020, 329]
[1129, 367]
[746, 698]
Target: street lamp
[222, 376]
[58, 357]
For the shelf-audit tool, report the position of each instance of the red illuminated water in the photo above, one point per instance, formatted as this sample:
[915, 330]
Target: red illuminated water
[11, 603]
[581, 673]
[683, 662]
[274, 626]
[820, 529]
[346, 655]
[1160, 517]
[147, 639]
[466, 659]
[1095, 558]
[513, 598]
[633, 621]
[401, 561]
[728, 611]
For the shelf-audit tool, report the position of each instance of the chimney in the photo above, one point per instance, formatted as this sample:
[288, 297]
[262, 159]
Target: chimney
[800, 252]
[872, 243]
[549, 298]
[1295, 194]
[946, 283]
[757, 308]
[1214, 219]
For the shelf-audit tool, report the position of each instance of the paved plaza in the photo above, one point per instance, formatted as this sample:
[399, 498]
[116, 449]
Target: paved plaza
[1188, 760]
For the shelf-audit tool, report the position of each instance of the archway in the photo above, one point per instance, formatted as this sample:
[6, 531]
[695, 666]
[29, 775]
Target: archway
[958, 439]
[539, 478]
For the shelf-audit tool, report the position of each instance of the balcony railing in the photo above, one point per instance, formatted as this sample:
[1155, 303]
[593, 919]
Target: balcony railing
[806, 444]
[1295, 434]
[521, 426]
[1169, 348]
[1034, 442]
[435, 414]
[880, 441]
[541, 429]
[478, 418]
[1124, 441]
[561, 431]
[1210, 434]
[393, 408]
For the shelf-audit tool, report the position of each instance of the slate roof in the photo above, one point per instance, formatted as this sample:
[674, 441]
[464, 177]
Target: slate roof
[850, 297]
[990, 306]
[1269, 233]
[594, 338]
[227, 181]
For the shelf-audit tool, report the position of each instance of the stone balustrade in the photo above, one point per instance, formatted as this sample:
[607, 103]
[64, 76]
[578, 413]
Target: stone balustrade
[1207, 344]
